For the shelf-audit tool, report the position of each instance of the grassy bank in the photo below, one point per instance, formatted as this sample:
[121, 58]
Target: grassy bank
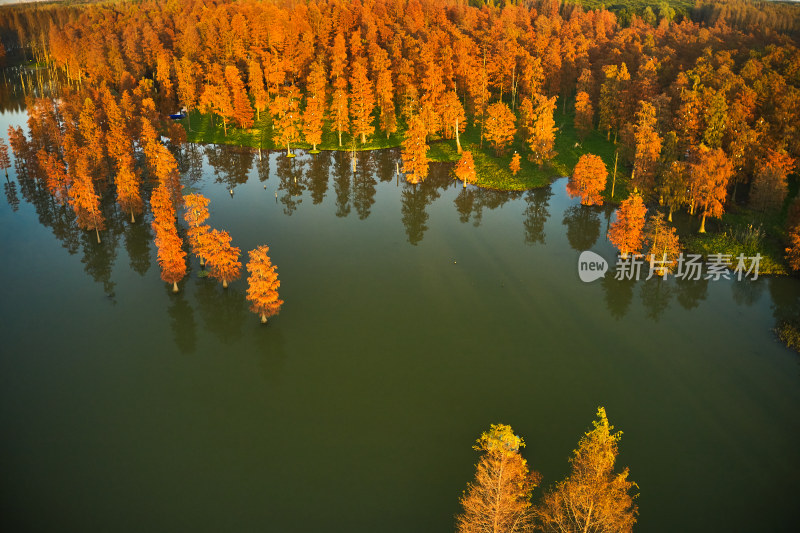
[493, 171]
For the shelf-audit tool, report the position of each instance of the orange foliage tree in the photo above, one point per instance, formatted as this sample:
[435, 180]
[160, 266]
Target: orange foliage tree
[515, 164]
[661, 243]
[85, 201]
[584, 115]
[793, 248]
[255, 79]
[315, 106]
[465, 168]
[263, 284]
[415, 150]
[288, 122]
[769, 183]
[710, 172]
[171, 257]
[498, 500]
[453, 118]
[242, 112]
[648, 148]
[362, 103]
[593, 497]
[588, 180]
[499, 129]
[626, 232]
[222, 259]
[543, 129]
[195, 214]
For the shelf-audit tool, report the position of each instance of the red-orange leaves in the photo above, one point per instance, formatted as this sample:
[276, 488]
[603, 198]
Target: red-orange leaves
[263, 284]
[223, 259]
[171, 256]
[626, 233]
[500, 128]
[465, 168]
[84, 199]
[588, 180]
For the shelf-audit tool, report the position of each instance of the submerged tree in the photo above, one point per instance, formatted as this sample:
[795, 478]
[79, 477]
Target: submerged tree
[498, 500]
[222, 258]
[85, 201]
[626, 233]
[588, 180]
[195, 215]
[263, 284]
[661, 244]
[171, 257]
[593, 497]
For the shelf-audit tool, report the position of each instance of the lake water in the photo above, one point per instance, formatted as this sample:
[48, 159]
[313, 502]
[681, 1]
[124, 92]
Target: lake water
[414, 318]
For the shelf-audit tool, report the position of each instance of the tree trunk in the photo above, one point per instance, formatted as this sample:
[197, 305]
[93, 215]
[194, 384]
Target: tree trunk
[97, 231]
[225, 126]
[224, 283]
[363, 138]
[175, 286]
[458, 140]
[669, 217]
[340, 137]
[614, 180]
[133, 220]
[263, 318]
[703, 223]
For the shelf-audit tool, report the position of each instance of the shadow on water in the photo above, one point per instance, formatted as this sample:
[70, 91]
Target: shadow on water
[231, 164]
[536, 214]
[223, 311]
[691, 292]
[618, 295]
[317, 176]
[656, 294]
[182, 322]
[583, 226]
[270, 344]
[290, 177]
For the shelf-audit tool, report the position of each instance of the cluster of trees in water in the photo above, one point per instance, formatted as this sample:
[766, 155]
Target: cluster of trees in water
[705, 113]
[593, 497]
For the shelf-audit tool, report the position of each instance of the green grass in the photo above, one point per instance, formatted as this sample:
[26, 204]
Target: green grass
[261, 135]
[493, 171]
[737, 235]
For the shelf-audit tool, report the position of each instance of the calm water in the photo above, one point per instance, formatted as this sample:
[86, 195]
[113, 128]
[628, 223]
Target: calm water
[414, 318]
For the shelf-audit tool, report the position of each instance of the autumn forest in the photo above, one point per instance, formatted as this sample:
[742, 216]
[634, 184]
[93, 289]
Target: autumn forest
[679, 122]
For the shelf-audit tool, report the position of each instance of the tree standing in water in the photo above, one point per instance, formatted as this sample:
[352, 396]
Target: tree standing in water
[195, 215]
[263, 284]
[222, 258]
[499, 498]
[593, 497]
[626, 233]
[588, 180]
